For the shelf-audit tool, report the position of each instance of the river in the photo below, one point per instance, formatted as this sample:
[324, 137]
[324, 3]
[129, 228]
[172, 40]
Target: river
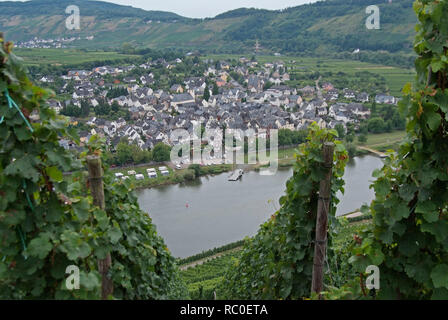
[211, 211]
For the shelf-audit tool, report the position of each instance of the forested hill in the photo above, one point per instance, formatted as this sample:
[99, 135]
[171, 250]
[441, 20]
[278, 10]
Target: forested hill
[325, 26]
[100, 9]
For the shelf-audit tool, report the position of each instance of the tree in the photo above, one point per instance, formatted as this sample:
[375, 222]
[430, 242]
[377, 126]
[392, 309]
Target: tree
[267, 85]
[124, 154]
[362, 138]
[115, 107]
[85, 108]
[350, 138]
[376, 125]
[351, 149]
[161, 152]
[341, 130]
[373, 108]
[206, 96]
[196, 168]
[215, 89]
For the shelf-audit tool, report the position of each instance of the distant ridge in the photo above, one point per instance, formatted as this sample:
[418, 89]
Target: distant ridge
[320, 27]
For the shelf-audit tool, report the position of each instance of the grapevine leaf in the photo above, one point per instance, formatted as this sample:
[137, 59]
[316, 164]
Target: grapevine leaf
[81, 209]
[40, 246]
[115, 233]
[74, 245]
[433, 119]
[54, 173]
[439, 276]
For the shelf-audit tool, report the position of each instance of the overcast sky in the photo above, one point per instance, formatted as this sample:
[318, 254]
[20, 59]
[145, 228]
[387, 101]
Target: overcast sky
[207, 8]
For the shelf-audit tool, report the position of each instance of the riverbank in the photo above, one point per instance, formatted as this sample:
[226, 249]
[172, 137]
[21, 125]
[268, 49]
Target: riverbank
[383, 141]
[285, 156]
[175, 176]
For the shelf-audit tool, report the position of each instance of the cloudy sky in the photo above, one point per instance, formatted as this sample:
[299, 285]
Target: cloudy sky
[208, 8]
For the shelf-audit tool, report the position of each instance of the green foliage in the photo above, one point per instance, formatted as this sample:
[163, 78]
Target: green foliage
[161, 152]
[362, 138]
[206, 170]
[350, 137]
[385, 118]
[128, 154]
[205, 279]
[334, 27]
[288, 137]
[44, 228]
[117, 92]
[215, 90]
[351, 149]
[48, 223]
[341, 130]
[212, 252]
[143, 267]
[409, 234]
[277, 263]
[206, 96]
[376, 125]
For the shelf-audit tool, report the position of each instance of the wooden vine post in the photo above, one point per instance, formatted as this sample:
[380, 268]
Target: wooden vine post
[97, 189]
[323, 206]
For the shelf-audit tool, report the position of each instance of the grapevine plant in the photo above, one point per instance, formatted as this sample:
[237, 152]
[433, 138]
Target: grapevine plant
[277, 263]
[48, 221]
[408, 239]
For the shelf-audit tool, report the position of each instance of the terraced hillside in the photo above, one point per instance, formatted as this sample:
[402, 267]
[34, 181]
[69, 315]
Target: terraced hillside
[325, 26]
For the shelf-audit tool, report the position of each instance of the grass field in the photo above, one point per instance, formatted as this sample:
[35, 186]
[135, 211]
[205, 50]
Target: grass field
[395, 77]
[36, 57]
[175, 176]
[384, 141]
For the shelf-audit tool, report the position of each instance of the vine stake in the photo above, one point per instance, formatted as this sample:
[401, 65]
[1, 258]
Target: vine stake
[97, 188]
[323, 206]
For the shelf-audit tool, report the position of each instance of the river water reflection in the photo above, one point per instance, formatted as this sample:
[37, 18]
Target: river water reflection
[212, 211]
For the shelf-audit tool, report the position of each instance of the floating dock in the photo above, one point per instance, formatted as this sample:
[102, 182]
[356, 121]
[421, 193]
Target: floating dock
[236, 175]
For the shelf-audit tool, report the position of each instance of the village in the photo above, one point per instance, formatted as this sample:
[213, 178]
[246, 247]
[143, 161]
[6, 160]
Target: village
[257, 99]
[57, 43]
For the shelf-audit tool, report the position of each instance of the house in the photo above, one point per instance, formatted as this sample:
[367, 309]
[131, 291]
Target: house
[358, 109]
[349, 94]
[221, 83]
[47, 79]
[327, 86]
[177, 88]
[130, 80]
[255, 84]
[55, 105]
[362, 97]
[386, 99]
[225, 66]
[286, 77]
[332, 95]
[182, 98]
[307, 91]
[321, 111]
[82, 94]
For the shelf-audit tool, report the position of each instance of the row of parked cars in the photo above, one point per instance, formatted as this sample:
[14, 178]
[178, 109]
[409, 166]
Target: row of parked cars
[152, 174]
